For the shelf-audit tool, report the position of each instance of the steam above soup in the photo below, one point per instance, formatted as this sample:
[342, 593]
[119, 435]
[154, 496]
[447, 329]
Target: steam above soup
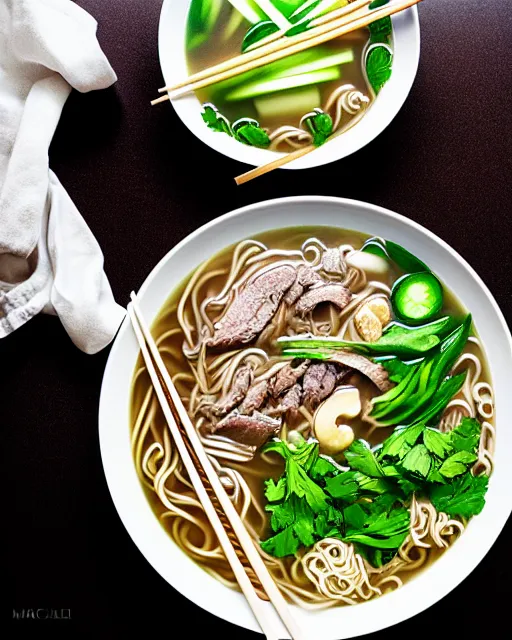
[343, 397]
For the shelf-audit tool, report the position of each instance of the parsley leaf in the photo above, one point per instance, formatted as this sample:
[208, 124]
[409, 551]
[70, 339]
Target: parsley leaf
[344, 486]
[273, 491]
[457, 464]
[360, 458]
[282, 544]
[215, 120]
[320, 126]
[321, 468]
[437, 443]
[463, 498]
[401, 441]
[380, 30]
[466, 436]
[418, 461]
[302, 486]
[378, 67]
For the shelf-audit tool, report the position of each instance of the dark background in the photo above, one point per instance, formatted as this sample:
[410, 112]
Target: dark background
[143, 182]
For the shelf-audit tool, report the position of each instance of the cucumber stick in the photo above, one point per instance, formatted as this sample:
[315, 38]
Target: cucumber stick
[286, 104]
[272, 85]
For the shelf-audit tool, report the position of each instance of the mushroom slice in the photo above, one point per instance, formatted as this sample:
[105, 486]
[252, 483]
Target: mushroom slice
[333, 437]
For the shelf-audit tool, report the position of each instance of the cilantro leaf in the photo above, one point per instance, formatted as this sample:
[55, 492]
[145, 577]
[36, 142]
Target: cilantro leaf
[322, 468]
[344, 486]
[418, 461]
[374, 485]
[275, 492]
[380, 30]
[437, 443]
[466, 436]
[282, 544]
[282, 515]
[457, 464]
[401, 441]
[382, 530]
[320, 126]
[463, 498]
[378, 68]
[215, 120]
[302, 486]
[249, 132]
[360, 458]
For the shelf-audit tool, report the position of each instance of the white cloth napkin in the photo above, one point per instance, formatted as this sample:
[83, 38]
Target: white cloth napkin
[49, 258]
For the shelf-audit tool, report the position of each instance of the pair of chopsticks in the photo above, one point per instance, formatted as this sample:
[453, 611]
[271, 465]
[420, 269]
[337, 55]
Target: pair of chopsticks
[334, 24]
[190, 447]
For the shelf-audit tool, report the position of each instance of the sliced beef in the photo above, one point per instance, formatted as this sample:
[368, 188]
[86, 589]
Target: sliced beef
[252, 430]
[286, 378]
[319, 382]
[304, 279]
[332, 262]
[332, 292]
[253, 308]
[375, 372]
[255, 397]
[290, 402]
[239, 387]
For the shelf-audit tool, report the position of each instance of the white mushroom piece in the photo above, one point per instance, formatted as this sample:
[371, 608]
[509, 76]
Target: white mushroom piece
[370, 263]
[334, 436]
[371, 318]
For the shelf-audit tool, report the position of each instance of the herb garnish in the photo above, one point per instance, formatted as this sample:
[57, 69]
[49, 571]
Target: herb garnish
[245, 130]
[378, 67]
[368, 504]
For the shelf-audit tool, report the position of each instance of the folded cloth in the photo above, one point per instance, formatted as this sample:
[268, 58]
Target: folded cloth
[49, 258]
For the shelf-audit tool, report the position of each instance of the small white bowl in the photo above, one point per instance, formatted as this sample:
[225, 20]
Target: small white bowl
[406, 46]
[431, 584]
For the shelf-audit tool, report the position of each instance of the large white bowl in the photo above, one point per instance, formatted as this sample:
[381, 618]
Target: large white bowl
[406, 45]
[130, 501]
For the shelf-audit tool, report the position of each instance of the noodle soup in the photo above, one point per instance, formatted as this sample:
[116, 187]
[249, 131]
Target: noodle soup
[293, 102]
[343, 396]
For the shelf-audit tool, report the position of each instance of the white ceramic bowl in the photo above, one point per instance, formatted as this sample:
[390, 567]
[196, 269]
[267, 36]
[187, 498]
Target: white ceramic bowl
[130, 501]
[406, 45]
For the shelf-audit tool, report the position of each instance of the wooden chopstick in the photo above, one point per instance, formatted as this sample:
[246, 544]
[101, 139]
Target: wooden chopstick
[275, 164]
[243, 580]
[175, 412]
[352, 7]
[276, 51]
[251, 54]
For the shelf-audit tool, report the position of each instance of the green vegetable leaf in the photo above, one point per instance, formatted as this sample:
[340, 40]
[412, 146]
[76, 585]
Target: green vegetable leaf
[249, 132]
[283, 514]
[344, 486]
[298, 28]
[355, 516]
[407, 261]
[418, 461]
[378, 67]
[282, 544]
[360, 458]
[463, 498]
[466, 436]
[257, 32]
[377, 3]
[456, 464]
[401, 441]
[215, 121]
[380, 30]
[275, 492]
[322, 468]
[374, 485]
[302, 486]
[382, 530]
[320, 125]
[397, 370]
[437, 443]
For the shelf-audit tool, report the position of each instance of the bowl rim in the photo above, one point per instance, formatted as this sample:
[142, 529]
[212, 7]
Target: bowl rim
[406, 44]
[419, 597]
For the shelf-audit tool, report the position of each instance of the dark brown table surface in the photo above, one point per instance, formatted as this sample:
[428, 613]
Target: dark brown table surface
[143, 182]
